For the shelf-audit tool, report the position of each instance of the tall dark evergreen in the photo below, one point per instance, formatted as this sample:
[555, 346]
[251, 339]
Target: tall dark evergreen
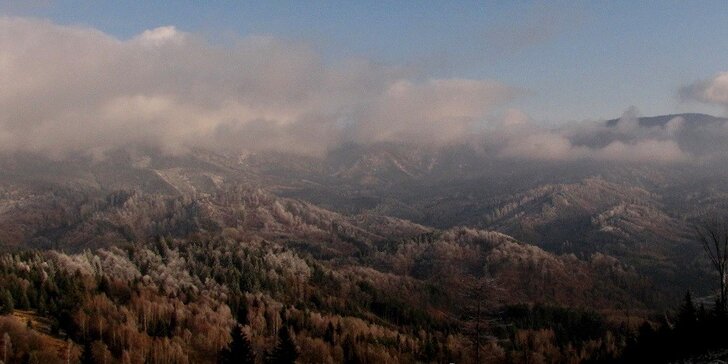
[286, 351]
[239, 351]
[6, 302]
[329, 334]
[687, 315]
[241, 314]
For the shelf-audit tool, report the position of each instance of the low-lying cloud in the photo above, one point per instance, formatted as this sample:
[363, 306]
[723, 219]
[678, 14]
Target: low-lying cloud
[711, 91]
[70, 89]
[74, 89]
[624, 141]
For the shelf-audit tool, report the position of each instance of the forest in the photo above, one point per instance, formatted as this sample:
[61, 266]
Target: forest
[213, 298]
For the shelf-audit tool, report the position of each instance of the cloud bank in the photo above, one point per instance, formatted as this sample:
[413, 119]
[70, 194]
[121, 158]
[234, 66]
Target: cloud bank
[71, 89]
[74, 89]
[624, 141]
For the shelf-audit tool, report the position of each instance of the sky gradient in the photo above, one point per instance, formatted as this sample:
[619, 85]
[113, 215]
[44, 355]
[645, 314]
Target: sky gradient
[573, 61]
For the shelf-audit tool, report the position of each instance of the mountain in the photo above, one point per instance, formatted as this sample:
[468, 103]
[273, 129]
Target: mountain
[642, 214]
[75, 220]
[691, 119]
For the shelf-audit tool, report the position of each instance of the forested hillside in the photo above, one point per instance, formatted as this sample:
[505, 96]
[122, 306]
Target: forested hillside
[432, 298]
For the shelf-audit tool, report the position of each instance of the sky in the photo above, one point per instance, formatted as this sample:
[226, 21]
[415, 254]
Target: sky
[576, 60]
[308, 76]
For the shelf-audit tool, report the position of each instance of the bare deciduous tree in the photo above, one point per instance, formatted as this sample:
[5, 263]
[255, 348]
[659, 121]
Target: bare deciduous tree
[714, 238]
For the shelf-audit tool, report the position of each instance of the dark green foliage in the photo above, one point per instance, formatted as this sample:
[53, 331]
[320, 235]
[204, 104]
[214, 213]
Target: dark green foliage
[687, 318]
[6, 303]
[329, 334]
[241, 312]
[239, 351]
[23, 302]
[285, 351]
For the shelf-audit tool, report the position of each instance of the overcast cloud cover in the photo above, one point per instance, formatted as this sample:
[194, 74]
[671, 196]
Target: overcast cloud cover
[73, 89]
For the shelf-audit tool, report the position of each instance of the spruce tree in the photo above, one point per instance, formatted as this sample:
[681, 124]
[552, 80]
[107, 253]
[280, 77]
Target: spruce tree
[285, 352]
[686, 328]
[242, 311]
[239, 351]
[329, 334]
[687, 314]
[6, 303]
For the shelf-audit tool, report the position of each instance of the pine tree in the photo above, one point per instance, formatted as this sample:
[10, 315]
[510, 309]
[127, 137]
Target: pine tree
[285, 352]
[241, 313]
[239, 350]
[329, 334]
[6, 303]
[686, 327]
[687, 315]
[23, 301]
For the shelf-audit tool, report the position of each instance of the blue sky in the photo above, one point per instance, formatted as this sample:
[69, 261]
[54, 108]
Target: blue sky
[575, 60]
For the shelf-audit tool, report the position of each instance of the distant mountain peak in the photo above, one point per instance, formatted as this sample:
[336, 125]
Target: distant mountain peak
[661, 120]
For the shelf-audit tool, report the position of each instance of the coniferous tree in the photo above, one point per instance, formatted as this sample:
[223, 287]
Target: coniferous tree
[686, 327]
[285, 352]
[687, 315]
[329, 334]
[239, 351]
[6, 303]
[23, 301]
[242, 311]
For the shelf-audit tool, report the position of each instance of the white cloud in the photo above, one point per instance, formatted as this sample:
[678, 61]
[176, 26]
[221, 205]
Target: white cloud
[711, 91]
[543, 146]
[437, 111]
[642, 151]
[626, 141]
[74, 89]
[161, 35]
